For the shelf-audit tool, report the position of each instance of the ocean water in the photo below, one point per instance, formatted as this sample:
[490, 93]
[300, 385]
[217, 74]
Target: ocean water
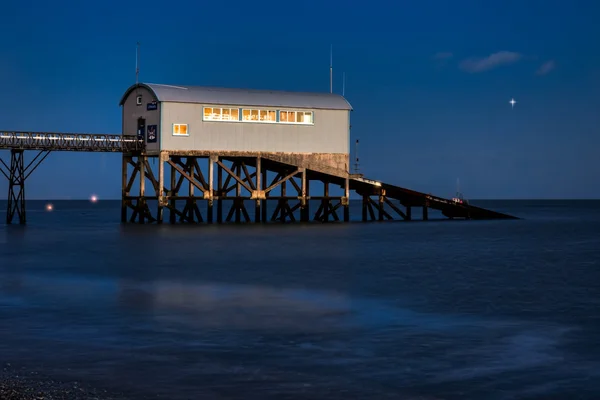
[419, 310]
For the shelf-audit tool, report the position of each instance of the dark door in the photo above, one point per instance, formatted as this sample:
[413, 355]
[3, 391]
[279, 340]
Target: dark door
[141, 128]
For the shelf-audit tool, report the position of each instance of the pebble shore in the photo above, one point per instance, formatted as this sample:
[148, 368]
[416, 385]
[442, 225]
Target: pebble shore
[22, 385]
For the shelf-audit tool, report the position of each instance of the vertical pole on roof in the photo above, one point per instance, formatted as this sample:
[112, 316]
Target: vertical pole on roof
[331, 69]
[137, 68]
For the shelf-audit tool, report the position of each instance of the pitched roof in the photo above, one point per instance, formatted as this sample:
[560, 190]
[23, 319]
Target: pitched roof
[243, 97]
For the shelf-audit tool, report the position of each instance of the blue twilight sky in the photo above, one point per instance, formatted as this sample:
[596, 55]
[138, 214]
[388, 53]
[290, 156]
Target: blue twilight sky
[429, 80]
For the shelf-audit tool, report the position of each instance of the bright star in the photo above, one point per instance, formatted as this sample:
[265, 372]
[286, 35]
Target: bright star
[513, 102]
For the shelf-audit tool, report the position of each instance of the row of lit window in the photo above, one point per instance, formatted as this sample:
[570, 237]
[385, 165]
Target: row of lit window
[258, 115]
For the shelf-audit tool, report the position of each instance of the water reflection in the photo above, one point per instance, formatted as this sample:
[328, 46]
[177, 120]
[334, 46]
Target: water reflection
[178, 332]
[201, 305]
[237, 306]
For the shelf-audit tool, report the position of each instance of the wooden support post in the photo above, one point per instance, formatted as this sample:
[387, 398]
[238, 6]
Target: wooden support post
[173, 193]
[408, 213]
[304, 216]
[425, 213]
[307, 199]
[259, 190]
[347, 201]
[264, 215]
[161, 187]
[381, 203]
[124, 192]
[326, 201]
[191, 202]
[209, 207]
[238, 194]
[365, 204]
[220, 193]
[283, 202]
[141, 200]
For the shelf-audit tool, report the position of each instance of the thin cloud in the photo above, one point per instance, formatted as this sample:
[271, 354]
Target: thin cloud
[481, 64]
[546, 67]
[444, 55]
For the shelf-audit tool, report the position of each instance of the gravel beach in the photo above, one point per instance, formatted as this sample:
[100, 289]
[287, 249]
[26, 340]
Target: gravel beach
[19, 384]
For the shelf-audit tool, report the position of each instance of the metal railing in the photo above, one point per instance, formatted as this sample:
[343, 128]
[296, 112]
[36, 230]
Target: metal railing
[69, 142]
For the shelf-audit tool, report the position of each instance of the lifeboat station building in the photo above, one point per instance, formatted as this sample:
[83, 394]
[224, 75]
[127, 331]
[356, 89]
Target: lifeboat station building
[261, 145]
[307, 129]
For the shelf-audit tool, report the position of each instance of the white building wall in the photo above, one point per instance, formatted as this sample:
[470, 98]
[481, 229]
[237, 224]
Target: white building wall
[132, 112]
[328, 134]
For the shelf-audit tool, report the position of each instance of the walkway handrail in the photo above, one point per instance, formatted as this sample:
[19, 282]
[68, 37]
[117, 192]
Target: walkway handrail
[70, 142]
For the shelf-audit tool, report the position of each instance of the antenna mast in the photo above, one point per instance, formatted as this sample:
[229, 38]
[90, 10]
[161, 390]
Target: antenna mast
[137, 68]
[356, 155]
[331, 69]
[343, 84]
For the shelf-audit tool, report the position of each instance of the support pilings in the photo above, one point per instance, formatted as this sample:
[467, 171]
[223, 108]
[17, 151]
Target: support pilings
[384, 208]
[277, 192]
[17, 173]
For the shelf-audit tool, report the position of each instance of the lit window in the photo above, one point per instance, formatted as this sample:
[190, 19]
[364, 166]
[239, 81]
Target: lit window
[180, 129]
[250, 115]
[266, 116]
[221, 114]
[306, 117]
[258, 115]
[287, 116]
[296, 117]
[225, 114]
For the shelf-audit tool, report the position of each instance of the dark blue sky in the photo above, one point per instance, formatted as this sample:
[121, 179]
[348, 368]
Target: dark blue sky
[429, 81]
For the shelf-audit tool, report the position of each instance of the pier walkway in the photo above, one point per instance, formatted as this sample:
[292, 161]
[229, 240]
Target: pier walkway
[47, 141]
[391, 202]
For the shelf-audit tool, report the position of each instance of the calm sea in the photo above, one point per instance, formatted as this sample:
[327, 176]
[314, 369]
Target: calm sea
[428, 310]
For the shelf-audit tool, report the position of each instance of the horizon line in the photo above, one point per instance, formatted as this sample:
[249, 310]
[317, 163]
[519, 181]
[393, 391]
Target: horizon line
[231, 198]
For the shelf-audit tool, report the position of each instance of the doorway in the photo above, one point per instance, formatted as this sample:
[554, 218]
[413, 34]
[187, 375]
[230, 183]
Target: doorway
[141, 128]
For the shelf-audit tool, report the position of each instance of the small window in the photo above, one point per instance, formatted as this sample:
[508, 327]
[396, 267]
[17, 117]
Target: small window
[180, 129]
[138, 100]
[305, 117]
